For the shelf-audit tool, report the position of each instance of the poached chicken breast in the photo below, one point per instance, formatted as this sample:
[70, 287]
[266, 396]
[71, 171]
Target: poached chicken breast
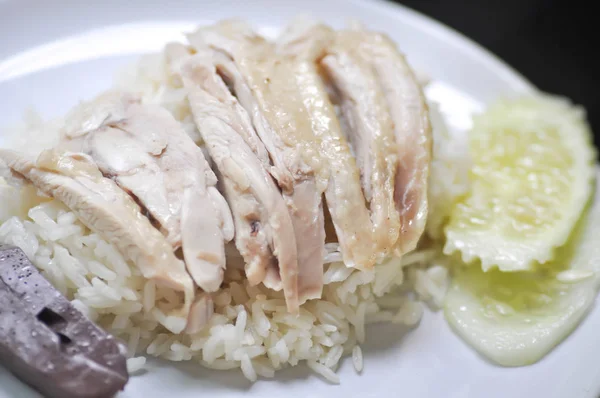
[103, 207]
[386, 118]
[264, 230]
[283, 124]
[163, 169]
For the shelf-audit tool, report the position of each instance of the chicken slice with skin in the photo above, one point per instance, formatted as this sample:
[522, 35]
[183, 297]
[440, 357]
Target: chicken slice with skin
[108, 211]
[387, 120]
[345, 199]
[168, 174]
[231, 37]
[272, 97]
[205, 218]
[264, 232]
[257, 271]
[108, 107]
[177, 54]
[413, 134]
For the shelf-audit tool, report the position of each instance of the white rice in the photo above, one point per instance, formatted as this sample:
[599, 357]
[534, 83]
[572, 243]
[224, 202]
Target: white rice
[250, 329]
[324, 371]
[357, 358]
[449, 171]
[136, 364]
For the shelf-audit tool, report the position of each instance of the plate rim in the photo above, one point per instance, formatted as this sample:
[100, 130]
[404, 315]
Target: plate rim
[442, 32]
[456, 38]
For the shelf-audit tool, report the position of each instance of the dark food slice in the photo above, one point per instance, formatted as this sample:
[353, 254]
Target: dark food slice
[47, 343]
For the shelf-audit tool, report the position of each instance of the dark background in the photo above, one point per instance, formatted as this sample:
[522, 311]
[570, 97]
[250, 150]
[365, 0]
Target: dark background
[553, 43]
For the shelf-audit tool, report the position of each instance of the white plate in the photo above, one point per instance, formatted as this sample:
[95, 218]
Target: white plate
[54, 53]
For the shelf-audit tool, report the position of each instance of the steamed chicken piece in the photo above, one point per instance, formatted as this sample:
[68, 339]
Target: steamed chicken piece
[148, 154]
[272, 97]
[386, 118]
[233, 37]
[108, 211]
[177, 55]
[412, 128]
[264, 231]
[205, 218]
[109, 107]
[345, 199]
[370, 129]
[259, 266]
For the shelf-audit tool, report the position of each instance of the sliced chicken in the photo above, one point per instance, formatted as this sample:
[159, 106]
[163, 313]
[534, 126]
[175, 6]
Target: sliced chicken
[265, 84]
[264, 230]
[412, 128]
[234, 37]
[104, 208]
[345, 200]
[167, 173]
[201, 311]
[108, 107]
[387, 122]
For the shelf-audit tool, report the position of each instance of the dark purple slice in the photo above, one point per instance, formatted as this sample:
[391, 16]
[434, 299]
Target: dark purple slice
[47, 343]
